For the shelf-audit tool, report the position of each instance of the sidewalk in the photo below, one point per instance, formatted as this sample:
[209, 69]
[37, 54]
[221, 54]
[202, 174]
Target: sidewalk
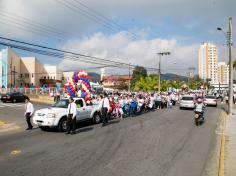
[42, 99]
[230, 145]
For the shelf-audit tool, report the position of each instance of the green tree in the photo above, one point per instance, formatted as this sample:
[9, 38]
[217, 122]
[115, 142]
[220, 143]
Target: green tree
[138, 72]
[165, 84]
[176, 84]
[148, 83]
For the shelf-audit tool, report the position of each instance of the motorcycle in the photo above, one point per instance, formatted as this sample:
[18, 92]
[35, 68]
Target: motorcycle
[198, 118]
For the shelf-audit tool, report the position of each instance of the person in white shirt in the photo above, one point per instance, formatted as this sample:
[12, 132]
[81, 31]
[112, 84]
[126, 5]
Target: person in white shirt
[29, 110]
[71, 117]
[104, 107]
[151, 102]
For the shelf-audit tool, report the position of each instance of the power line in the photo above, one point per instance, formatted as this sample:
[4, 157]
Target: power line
[25, 29]
[74, 8]
[70, 54]
[91, 16]
[27, 21]
[105, 18]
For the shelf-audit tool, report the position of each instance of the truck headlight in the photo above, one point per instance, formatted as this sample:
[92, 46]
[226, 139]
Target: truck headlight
[51, 115]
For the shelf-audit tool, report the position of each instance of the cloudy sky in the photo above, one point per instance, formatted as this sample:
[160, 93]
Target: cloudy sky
[126, 31]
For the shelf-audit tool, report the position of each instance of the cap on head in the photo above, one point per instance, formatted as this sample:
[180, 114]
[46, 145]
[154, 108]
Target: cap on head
[71, 98]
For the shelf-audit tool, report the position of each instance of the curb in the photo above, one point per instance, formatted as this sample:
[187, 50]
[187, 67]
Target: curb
[42, 101]
[221, 168]
[211, 167]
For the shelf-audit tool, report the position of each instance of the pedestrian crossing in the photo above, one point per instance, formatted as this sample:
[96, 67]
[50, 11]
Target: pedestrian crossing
[11, 105]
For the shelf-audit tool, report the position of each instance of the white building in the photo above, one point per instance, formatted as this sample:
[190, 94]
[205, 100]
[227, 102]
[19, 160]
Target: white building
[208, 62]
[20, 71]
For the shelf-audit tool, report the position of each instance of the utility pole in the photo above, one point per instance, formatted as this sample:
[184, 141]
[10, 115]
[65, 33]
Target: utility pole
[159, 70]
[159, 74]
[129, 78]
[190, 73]
[230, 43]
[11, 72]
[14, 75]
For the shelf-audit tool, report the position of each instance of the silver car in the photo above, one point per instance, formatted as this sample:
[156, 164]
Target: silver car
[210, 100]
[187, 101]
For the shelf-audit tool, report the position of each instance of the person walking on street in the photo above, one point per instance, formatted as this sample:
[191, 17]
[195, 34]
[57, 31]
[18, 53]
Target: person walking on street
[104, 107]
[29, 110]
[71, 117]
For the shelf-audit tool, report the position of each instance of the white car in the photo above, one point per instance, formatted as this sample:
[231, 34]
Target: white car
[56, 115]
[187, 101]
[210, 100]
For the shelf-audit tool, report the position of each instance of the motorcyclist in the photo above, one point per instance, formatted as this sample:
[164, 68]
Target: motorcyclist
[199, 107]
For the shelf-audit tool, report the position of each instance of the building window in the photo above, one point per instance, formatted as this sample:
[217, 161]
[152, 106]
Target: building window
[62, 78]
[21, 75]
[32, 75]
[44, 77]
[26, 75]
[48, 77]
[54, 77]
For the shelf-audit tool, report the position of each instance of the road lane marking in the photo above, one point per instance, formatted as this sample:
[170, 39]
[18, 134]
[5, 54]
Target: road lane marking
[2, 122]
[222, 148]
[6, 126]
[15, 152]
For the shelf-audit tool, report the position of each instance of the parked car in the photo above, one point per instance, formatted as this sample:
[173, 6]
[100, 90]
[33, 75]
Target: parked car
[187, 101]
[13, 97]
[210, 100]
[56, 115]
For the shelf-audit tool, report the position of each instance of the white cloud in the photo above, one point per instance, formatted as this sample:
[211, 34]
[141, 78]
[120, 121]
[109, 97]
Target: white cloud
[119, 47]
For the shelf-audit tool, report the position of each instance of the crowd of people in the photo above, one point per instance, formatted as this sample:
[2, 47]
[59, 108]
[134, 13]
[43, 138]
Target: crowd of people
[119, 105]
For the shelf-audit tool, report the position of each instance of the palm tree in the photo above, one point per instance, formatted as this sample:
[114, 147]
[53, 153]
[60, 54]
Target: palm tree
[176, 84]
[149, 83]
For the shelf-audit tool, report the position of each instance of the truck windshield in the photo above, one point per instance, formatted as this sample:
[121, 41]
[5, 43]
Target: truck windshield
[61, 104]
[187, 98]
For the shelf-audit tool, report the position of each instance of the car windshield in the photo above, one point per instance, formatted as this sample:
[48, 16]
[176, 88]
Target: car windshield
[210, 97]
[187, 98]
[61, 104]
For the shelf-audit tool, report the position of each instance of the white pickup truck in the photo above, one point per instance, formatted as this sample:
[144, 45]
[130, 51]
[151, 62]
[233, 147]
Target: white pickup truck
[56, 115]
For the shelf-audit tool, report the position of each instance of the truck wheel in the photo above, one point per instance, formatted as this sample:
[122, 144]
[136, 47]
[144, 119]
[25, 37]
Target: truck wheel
[96, 118]
[62, 125]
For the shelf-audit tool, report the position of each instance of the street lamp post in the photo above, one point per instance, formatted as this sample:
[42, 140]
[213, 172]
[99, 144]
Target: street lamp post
[159, 70]
[229, 44]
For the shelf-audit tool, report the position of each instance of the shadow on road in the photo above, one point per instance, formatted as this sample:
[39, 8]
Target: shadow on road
[84, 129]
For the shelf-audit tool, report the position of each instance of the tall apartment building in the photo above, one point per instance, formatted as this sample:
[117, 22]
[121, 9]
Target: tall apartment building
[223, 73]
[208, 62]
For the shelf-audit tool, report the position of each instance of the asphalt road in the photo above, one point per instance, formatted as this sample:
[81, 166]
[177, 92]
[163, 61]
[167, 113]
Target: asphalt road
[14, 112]
[160, 143]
